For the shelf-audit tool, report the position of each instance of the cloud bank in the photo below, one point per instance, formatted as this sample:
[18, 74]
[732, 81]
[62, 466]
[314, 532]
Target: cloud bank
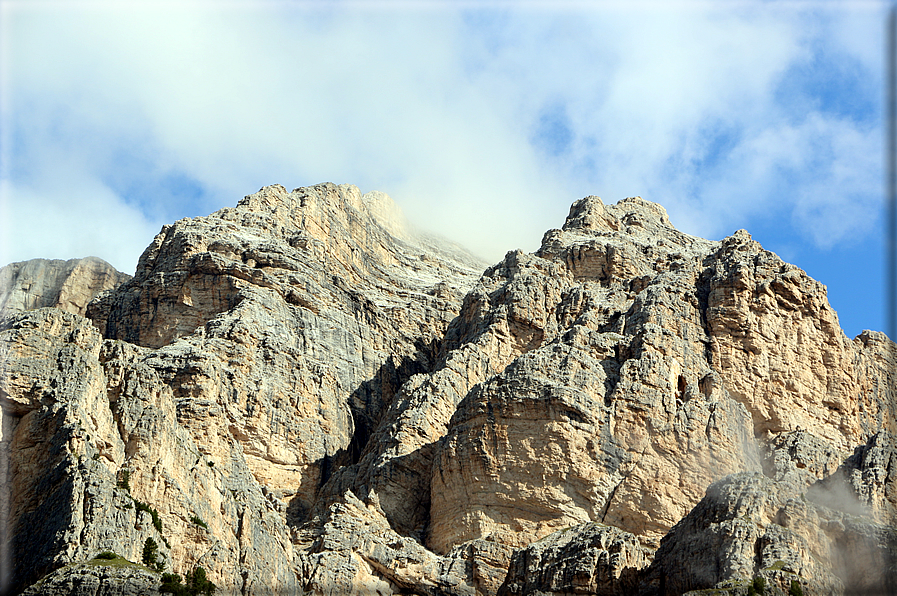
[483, 121]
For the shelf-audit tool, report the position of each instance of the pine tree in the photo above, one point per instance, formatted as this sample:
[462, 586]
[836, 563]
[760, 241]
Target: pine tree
[198, 583]
[150, 553]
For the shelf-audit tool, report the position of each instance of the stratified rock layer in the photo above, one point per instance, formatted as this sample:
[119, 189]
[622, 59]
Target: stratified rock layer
[628, 397]
[303, 395]
[262, 344]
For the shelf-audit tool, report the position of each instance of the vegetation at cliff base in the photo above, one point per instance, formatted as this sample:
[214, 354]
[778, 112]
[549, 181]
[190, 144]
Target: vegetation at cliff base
[196, 584]
[758, 586]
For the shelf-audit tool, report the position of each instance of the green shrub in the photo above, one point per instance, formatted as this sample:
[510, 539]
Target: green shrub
[171, 584]
[150, 552]
[757, 587]
[198, 583]
[795, 589]
[199, 522]
[141, 506]
[106, 555]
[124, 479]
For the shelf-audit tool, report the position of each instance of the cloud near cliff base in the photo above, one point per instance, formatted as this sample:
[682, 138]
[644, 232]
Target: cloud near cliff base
[483, 121]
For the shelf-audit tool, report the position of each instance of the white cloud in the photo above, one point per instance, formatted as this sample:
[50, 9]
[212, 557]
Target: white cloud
[437, 107]
[72, 218]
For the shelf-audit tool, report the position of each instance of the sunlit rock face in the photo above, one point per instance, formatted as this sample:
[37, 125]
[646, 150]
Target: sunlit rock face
[303, 394]
[613, 412]
[250, 357]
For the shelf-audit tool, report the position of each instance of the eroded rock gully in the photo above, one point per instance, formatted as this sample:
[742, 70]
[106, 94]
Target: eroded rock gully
[302, 394]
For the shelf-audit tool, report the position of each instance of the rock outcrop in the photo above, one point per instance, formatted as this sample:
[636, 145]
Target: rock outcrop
[264, 343]
[99, 577]
[619, 408]
[587, 559]
[69, 285]
[749, 526]
[302, 394]
[358, 552]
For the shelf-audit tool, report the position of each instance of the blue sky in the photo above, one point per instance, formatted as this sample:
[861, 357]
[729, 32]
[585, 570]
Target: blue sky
[484, 121]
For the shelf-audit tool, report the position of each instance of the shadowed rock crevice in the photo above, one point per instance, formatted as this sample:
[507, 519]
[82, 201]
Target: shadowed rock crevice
[373, 397]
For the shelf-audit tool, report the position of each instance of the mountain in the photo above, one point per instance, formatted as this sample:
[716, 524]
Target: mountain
[303, 394]
[69, 285]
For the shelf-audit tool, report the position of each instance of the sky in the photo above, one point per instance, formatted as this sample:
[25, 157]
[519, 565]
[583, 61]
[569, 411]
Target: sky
[484, 121]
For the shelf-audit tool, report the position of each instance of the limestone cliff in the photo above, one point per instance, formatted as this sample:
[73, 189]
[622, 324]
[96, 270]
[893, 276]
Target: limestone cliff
[69, 285]
[302, 394]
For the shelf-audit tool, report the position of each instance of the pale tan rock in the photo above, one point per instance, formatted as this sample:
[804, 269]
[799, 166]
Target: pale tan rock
[785, 356]
[96, 579]
[62, 447]
[618, 409]
[613, 414]
[299, 303]
[234, 417]
[69, 285]
[358, 553]
[320, 249]
[106, 410]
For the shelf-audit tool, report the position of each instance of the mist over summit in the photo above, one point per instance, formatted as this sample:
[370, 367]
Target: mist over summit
[302, 394]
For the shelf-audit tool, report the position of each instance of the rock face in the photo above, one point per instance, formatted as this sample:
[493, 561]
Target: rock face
[301, 394]
[263, 345]
[69, 285]
[750, 526]
[587, 559]
[619, 411]
[357, 552]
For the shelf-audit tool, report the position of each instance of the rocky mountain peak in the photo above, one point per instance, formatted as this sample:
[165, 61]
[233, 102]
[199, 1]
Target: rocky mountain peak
[326, 202]
[591, 213]
[283, 242]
